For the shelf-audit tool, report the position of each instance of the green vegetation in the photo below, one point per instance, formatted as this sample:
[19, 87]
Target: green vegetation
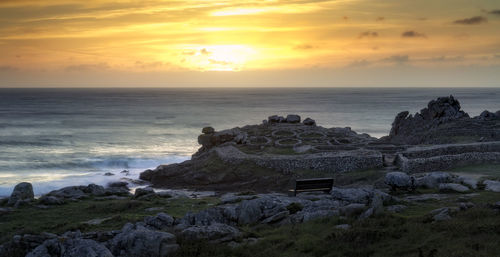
[294, 208]
[71, 216]
[473, 232]
[491, 171]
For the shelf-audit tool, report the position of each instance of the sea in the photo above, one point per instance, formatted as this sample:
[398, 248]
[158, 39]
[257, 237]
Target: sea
[58, 137]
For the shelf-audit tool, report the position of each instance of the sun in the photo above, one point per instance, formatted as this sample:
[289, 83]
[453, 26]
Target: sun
[217, 57]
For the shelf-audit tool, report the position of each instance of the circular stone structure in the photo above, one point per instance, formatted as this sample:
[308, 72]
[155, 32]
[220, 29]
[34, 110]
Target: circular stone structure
[311, 135]
[283, 133]
[258, 141]
[288, 142]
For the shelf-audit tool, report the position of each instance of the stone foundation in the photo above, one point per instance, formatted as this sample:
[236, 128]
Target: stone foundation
[443, 157]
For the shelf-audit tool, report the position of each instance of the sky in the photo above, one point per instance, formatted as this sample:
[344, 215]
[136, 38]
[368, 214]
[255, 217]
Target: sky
[250, 43]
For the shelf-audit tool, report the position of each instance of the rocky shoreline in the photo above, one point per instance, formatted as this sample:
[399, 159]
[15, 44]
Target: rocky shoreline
[398, 178]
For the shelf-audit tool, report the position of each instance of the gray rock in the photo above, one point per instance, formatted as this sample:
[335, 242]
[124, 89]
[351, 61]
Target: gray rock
[138, 241]
[398, 180]
[208, 130]
[426, 197]
[250, 212]
[5, 210]
[441, 214]
[94, 190]
[353, 209]
[69, 247]
[161, 221]
[309, 122]
[109, 174]
[97, 221]
[357, 195]
[22, 192]
[117, 191]
[433, 179]
[343, 226]
[292, 118]
[276, 217]
[71, 192]
[396, 208]
[452, 187]
[215, 233]
[470, 182]
[143, 191]
[51, 200]
[319, 214]
[153, 209]
[492, 185]
[118, 184]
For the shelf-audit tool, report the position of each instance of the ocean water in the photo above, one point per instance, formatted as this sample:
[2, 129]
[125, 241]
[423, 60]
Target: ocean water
[58, 137]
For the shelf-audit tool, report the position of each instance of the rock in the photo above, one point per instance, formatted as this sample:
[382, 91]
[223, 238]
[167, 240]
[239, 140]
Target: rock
[452, 187]
[492, 185]
[275, 119]
[465, 206]
[250, 212]
[138, 241]
[232, 198]
[51, 200]
[470, 182]
[309, 122]
[399, 180]
[441, 214]
[22, 192]
[214, 233]
[117, 191]
[353, 209]
[343, 226]
[97, 221]
[276, 217]
[293, 118]
[118, 184]
[376, 207]
[143, 191]
[208, 130]
[68, 247]
[396, 208]
[153, 209]
[426, 197]
[94, 190]
[109, 174]
[5, 210]
[486, 115]
[161, 221]
[318, 214]
[357, 195]
[433, 179]
[71, 192]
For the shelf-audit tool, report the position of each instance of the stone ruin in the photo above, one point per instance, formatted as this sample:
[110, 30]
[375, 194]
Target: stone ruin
[287, 144]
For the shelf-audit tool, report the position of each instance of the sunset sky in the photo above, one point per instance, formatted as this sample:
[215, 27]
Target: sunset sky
[66, 43]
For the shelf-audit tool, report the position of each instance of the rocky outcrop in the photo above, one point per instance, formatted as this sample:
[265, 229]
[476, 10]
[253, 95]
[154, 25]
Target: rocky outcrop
[138, 241]
[443, 121]
[22, 193]
[68, 246]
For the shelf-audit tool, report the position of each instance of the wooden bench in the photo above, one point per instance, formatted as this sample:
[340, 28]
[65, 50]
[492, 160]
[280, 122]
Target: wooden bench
[314, 184]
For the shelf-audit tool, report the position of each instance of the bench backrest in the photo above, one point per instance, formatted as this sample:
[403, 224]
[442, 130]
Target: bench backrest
[316, 183]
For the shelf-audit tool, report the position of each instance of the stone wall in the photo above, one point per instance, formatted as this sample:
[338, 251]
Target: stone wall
[442, 157]
[334, 162]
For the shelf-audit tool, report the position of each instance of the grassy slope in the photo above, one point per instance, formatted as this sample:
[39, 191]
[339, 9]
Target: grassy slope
[58, 219]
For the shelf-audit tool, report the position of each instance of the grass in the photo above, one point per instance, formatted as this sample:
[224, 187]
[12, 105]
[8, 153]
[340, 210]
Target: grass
[473, 232]
[483, 170]
[58, 219]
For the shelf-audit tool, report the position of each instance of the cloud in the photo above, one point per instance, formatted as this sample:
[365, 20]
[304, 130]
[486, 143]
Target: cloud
[87, 67]
[368, 34]
[7, 68]
[212, 61]
[149, 65]
[359, 63]
[380, 18]
[472, 21]
[495, 12]
[204, 51]
[303, 47]
[448, 58]
[397, 59]
[412, 34]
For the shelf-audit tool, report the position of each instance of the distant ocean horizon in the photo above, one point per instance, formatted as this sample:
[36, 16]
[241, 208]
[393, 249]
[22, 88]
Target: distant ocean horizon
[59, 137]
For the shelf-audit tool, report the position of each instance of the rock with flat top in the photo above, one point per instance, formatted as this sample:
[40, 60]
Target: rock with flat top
[22, 192]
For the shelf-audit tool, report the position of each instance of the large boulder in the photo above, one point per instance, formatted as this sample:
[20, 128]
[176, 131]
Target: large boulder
[215, 233]
[433, 179]
[492, 185]
[161, 221]
[452, 187]
[399, 180]
[309, 122]
[22, 192]
[293, 118]
[136, 240]
[70, 247]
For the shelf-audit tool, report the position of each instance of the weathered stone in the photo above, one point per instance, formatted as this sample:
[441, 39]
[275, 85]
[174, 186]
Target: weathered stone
[433, 179]
[69, 247]
[343, 226]
[399, 180]
[109, 174]
[468, 181]
[452, 187]
[396, 208]
[161, 221]
[143, 191]
[208, 130]
[441, 214]
[118, 184]
[51, 200]
[292, 118]
[138, 241]
[276, 217]
[492, 185]
[353, 209]
[22, 192]
[250, 212]
[309, 122]
[215, 233]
